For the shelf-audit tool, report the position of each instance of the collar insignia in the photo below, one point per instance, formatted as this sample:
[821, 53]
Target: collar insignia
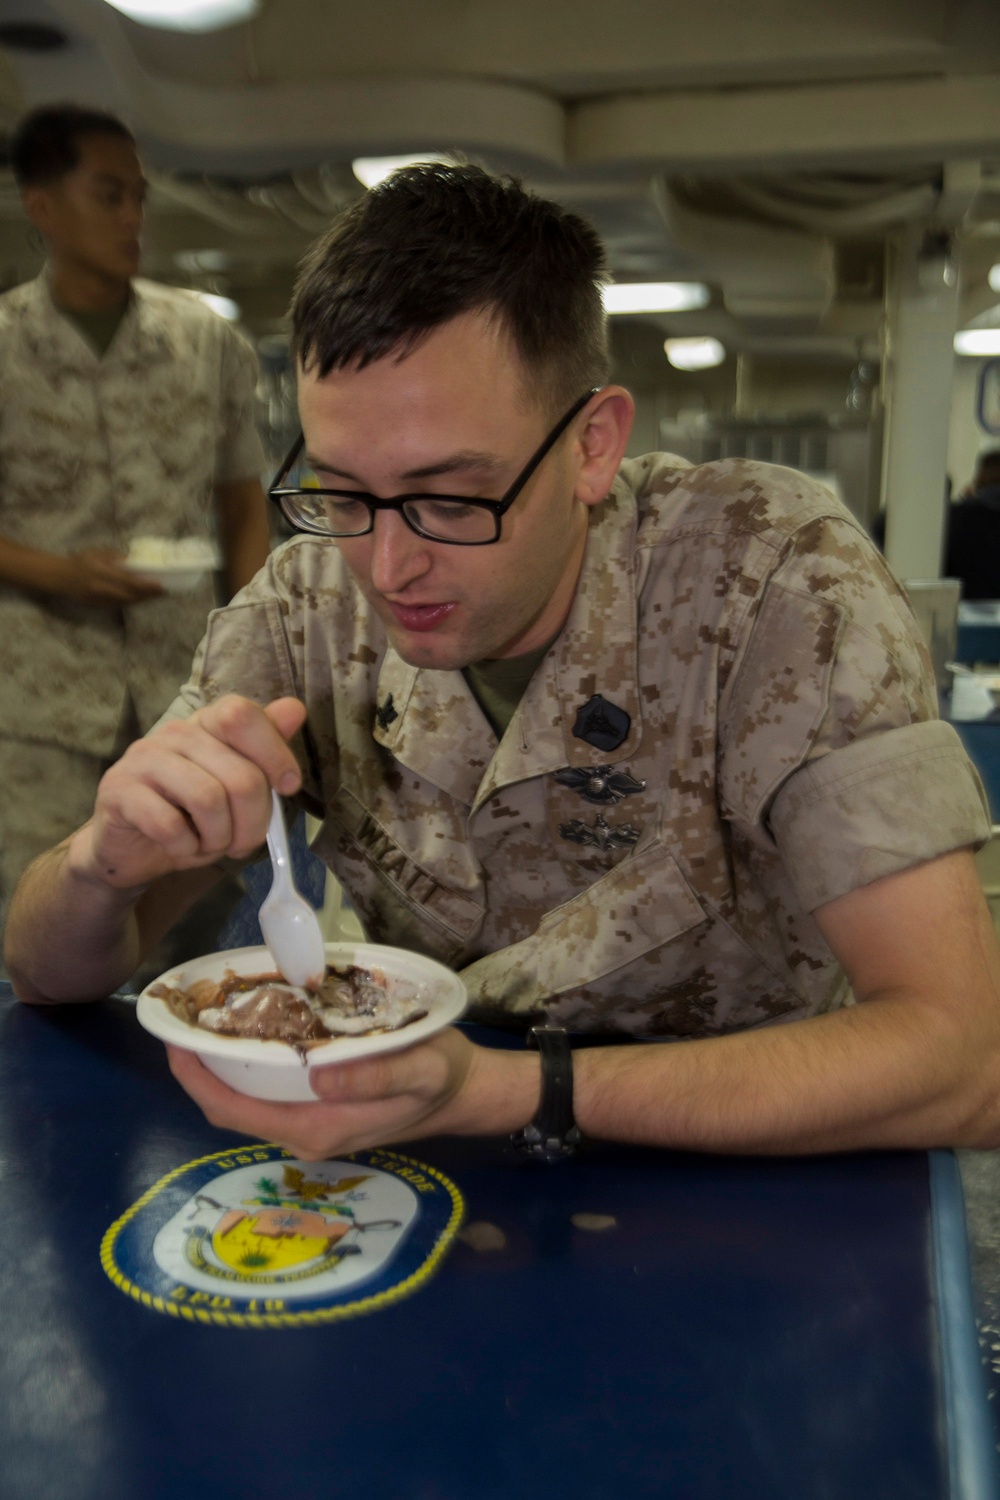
[386, 713]
[601, 724]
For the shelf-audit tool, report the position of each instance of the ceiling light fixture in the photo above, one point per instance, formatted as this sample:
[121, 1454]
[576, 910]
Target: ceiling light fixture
[694, 354]
[994, 277]
[371, 170]
[654, 296]
[978, 341]
[187, 15]
[197, 262]
[224, 306]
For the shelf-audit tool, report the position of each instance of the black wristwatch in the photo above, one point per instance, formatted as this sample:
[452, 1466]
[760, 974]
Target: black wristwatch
[552, 1134]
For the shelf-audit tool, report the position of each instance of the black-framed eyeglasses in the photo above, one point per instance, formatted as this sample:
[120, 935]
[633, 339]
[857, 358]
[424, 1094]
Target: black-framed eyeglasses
[456, 519]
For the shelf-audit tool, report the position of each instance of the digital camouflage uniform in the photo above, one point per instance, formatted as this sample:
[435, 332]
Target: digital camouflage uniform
[740, 691]
[93, 452]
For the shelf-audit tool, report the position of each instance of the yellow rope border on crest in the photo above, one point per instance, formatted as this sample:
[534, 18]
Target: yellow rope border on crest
[280, 1320]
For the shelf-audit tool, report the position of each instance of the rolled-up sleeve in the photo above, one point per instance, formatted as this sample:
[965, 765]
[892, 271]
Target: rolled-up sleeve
[876, 807]
[831, 751]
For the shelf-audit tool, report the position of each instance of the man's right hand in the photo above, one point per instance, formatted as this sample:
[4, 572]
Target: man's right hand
[193, 792]
[98, 575]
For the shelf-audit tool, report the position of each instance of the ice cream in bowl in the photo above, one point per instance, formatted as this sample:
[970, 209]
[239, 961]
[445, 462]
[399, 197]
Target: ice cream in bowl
[261, 1035]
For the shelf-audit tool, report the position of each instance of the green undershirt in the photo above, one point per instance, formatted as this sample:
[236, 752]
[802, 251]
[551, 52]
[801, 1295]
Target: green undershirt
[99, 327]
[499, 686]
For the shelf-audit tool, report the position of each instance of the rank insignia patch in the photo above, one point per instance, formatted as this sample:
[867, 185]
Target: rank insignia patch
[255, 1239]
[386, 713]
[601, 724]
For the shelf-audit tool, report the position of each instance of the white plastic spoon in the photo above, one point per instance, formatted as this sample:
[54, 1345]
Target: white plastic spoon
[289, 924]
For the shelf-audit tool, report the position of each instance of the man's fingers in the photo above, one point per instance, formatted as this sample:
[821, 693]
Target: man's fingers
[178, 805]
[229, 1110]
[370, 1102]
[224, 794]
[195, 789]
[103, 573]
[258, 734]
[414, 1071]
[429, 1073]
[136, 589]
[287, 714]
[145, 811]
[312, 1132]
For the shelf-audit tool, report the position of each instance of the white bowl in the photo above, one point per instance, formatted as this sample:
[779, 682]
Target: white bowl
[274, 1070]
[176, 578]
[178, 563]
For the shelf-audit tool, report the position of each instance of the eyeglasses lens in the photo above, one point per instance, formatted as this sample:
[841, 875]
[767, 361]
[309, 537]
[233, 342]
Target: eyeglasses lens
[451, 520]
[439, 518]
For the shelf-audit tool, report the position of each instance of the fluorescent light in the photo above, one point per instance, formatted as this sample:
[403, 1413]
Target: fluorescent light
[654, 296]
[224, 306]
[195, 262]
[371, 170]
[187, 15]
[694, 354]
[994, 277]
[979, 341]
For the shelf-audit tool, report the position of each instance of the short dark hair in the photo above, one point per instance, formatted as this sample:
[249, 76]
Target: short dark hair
[46, 143]
[988, 467]
[436, 240]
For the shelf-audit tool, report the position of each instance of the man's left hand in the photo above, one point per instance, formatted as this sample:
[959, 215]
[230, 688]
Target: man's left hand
[396, 1096]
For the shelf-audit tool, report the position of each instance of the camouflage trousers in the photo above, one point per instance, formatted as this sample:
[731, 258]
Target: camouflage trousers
[46, 793]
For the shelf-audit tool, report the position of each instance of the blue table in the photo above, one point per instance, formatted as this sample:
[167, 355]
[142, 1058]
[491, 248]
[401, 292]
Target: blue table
[978, 643]
[981, 738]
[978, 631]
[747, 1330]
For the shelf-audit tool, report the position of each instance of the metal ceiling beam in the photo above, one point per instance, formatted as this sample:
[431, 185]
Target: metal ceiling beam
[774, 129]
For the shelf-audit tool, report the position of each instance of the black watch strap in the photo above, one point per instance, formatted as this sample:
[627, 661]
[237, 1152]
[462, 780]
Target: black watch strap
[552, 1134]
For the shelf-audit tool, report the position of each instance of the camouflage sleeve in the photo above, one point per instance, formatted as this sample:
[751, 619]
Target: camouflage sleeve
[831, 751]
[238, 454]
[246, 650]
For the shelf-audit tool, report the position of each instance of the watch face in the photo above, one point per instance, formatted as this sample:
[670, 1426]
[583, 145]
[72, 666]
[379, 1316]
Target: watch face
[533, 1142]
